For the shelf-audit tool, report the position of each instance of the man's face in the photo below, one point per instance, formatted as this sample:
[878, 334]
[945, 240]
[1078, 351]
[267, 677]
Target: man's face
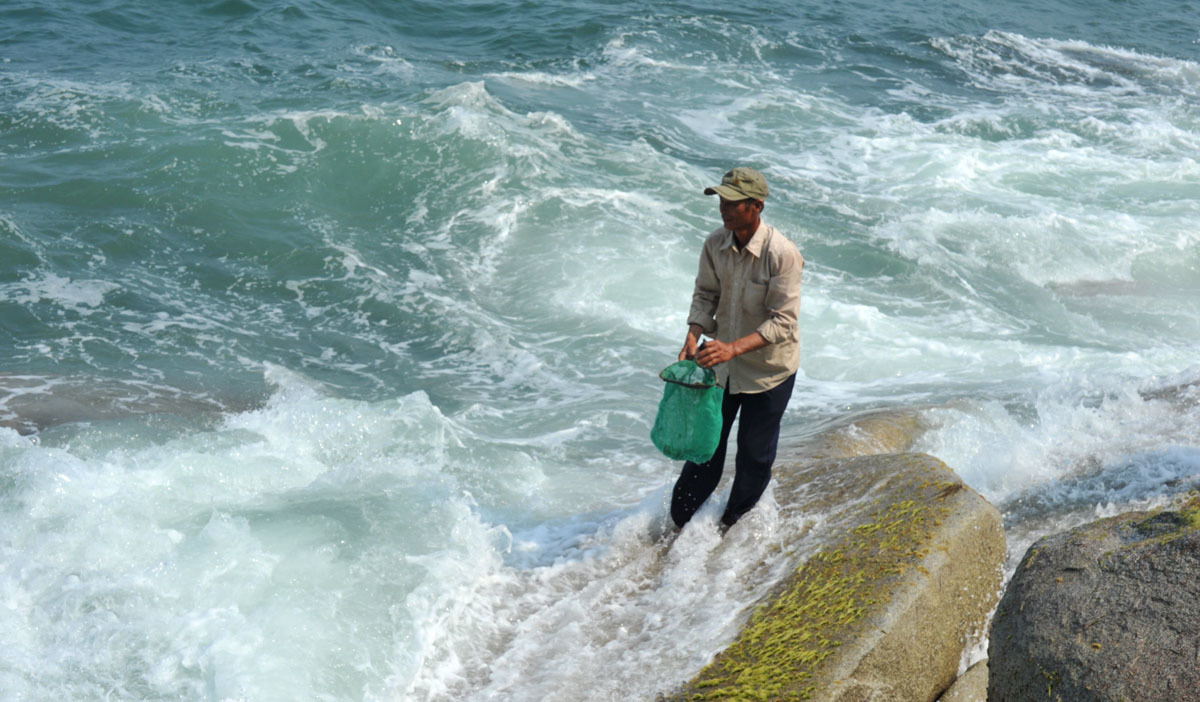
[740, 214]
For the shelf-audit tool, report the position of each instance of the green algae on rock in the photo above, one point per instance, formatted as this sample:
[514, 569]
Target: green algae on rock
[887, 609]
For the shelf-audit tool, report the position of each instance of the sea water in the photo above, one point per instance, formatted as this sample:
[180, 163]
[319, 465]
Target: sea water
[331, 331]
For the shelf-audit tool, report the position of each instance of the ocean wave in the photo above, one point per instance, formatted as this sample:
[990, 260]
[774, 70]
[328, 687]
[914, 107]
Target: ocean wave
[1008, 62]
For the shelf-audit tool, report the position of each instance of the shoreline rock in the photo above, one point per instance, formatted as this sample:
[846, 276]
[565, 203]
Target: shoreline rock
[1104, 612]
[885, 613]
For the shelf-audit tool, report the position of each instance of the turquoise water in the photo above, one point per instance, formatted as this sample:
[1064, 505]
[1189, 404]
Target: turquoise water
[331, 329]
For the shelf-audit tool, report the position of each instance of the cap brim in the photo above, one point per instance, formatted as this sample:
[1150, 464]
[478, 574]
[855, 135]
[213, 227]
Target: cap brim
[726, 192]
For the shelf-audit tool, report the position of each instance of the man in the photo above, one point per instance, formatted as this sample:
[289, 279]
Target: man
[747, 299]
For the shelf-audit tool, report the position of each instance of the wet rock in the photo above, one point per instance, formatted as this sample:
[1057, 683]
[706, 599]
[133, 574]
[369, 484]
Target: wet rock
[885, 613]
[1107, 611]
[33, 403]
[861, 434]
[971, 686]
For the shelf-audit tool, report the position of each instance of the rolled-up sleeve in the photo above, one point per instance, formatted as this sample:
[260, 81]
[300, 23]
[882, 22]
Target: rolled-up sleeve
[782, 301]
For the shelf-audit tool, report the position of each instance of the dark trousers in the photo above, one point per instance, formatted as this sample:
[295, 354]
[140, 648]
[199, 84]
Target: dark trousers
[757, 442]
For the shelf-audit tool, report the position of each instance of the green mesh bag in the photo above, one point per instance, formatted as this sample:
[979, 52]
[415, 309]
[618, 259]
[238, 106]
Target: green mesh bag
[688, 424]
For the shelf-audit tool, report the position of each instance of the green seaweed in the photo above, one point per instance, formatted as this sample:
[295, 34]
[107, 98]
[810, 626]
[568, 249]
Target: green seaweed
[1158, 528]
[1190, 511]
[783, 646]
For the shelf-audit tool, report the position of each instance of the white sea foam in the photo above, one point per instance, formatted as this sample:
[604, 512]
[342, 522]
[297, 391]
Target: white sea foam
[574, 80]
[72, 105]
[80, 296]
[388, 60]
[197, 560]
[614, 597]
[1078, 449]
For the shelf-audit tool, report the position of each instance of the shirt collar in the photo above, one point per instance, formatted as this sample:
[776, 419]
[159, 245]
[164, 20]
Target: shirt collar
[756, 243]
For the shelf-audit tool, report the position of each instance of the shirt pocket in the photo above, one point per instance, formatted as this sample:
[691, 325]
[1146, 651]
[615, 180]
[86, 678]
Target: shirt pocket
[754, 301]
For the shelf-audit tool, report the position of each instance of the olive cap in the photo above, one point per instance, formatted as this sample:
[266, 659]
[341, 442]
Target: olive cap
[739, 184]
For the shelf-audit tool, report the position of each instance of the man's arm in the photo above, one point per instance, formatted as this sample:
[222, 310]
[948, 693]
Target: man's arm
[783, 296]
[715, 352]
[705, 296]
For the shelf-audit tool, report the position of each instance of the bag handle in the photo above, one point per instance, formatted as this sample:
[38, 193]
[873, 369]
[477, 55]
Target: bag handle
[709, 375]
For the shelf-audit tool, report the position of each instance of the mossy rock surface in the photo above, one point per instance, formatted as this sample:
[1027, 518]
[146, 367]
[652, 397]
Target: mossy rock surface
[1107, 611]
[882, 614]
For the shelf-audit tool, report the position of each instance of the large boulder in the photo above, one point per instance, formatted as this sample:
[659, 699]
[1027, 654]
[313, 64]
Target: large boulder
[884, 613]
[1106, 611]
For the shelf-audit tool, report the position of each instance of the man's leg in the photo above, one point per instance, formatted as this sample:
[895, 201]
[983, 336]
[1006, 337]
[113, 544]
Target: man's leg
[757, 443]
[698, 480]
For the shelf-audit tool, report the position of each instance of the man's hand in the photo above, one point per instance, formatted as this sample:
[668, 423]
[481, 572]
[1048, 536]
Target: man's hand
[691, 343]
[715, 352]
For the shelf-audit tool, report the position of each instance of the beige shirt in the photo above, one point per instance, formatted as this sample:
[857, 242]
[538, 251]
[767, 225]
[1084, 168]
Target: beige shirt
[741, 290]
